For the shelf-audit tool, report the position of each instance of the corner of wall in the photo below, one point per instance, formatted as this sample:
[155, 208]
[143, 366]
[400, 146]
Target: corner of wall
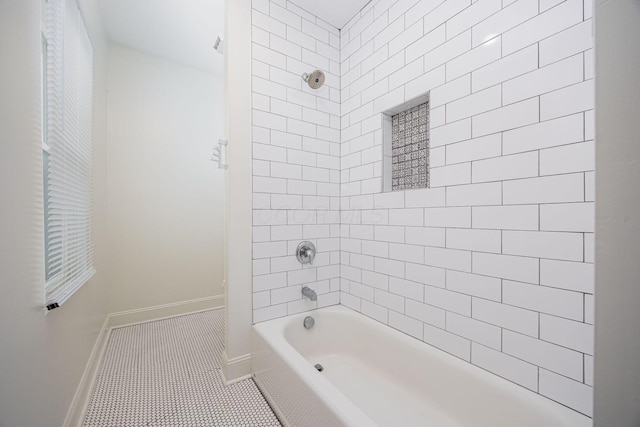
[235, 369]
[238, 268]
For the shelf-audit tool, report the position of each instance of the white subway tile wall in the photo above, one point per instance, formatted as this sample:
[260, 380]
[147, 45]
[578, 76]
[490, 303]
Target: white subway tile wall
[494, 262]
[495, 259]
[296, 152]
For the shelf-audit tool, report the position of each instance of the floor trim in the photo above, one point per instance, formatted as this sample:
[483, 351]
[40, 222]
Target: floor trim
[80, 402]
[164, 311]
[235, 369]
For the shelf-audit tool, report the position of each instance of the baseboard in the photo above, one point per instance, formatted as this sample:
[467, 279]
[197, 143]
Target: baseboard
[78, 407]
[235, 369]
[158, 312]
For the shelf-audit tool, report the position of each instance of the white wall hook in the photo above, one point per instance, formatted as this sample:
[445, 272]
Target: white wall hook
[219, 155]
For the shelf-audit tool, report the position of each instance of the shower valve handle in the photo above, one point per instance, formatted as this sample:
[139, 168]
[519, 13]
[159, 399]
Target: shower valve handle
[310, 253]
[305, 252]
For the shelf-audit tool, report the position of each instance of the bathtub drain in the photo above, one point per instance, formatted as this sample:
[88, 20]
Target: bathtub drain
[319, 367]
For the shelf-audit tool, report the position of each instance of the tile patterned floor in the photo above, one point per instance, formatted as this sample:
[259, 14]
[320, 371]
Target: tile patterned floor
[167, 374]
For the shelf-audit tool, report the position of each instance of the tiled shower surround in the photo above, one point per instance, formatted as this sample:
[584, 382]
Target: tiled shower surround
[494, 262]
[296, 166]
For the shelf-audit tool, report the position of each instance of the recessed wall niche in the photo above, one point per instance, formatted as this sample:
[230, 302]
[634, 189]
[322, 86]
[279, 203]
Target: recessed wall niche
[405, 130]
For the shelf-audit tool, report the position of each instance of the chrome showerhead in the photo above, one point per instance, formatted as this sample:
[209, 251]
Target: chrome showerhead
[315, 79]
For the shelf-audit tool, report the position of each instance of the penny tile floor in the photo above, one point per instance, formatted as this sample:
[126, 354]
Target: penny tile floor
[167, 373]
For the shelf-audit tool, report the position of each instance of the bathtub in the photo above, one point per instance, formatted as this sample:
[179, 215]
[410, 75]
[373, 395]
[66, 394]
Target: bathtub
[376, 376]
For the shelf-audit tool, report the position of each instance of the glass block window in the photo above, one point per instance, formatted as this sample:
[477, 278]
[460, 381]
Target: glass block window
[410, 148]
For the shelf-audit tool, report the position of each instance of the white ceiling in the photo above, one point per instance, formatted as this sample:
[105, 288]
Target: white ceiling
[183, 31]
[335, 12]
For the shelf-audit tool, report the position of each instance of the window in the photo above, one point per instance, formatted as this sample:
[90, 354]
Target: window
[406, 145]
[410, 155]
[67, 150]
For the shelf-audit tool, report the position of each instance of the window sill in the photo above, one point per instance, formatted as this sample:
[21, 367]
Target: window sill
[61, 294]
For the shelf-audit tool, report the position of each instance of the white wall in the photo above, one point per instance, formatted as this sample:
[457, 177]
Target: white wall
[43, 356]
[494, 263]
[617, 373]
[296, 152]
[166, 197]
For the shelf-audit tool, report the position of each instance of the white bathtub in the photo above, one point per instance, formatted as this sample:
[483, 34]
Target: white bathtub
[374, 375]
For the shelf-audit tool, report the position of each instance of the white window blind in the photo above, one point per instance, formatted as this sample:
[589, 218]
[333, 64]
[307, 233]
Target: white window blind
[68, 152]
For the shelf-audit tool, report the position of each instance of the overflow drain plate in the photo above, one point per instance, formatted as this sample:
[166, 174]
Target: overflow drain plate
[318, 367]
